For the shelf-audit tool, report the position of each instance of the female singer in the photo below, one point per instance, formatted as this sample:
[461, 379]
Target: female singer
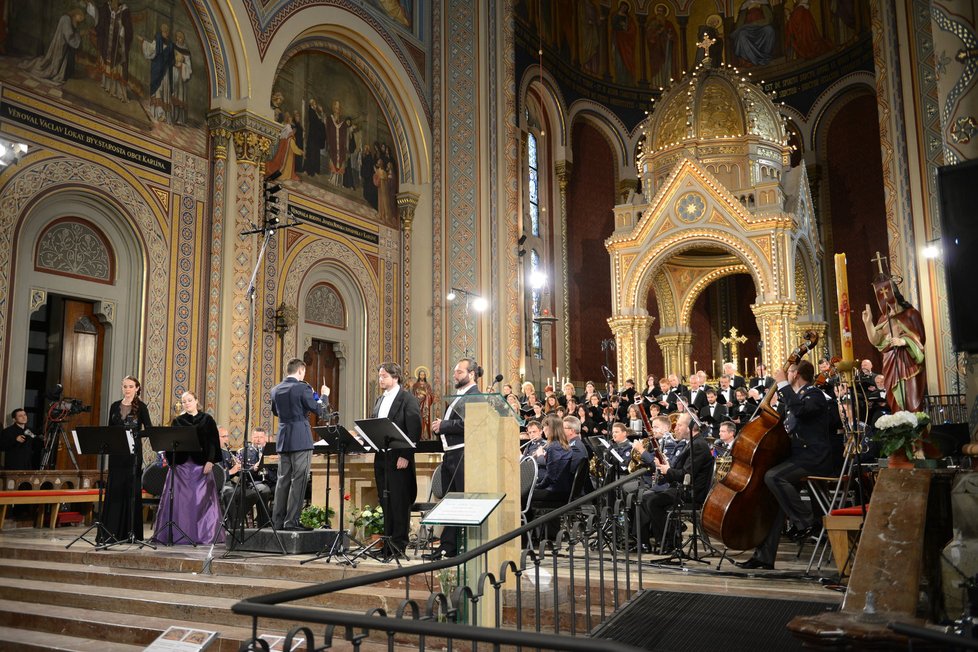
[550, 405]
[123, 507]
[651, 393]
[196, 505]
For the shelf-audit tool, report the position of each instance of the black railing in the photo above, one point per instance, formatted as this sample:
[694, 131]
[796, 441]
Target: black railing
[592, 538]
[946, 408]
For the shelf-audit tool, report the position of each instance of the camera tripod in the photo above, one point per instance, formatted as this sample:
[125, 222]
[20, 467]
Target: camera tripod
[53, 433]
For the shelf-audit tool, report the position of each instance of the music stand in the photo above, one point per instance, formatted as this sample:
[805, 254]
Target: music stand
[383, 436]
[173, 439]
[340, 438]
[239, 498]
[101, 441]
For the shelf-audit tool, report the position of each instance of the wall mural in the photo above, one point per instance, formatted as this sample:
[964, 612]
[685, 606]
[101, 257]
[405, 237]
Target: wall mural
[617, 52]
[138, 62]
[334, 135]
[400, 11]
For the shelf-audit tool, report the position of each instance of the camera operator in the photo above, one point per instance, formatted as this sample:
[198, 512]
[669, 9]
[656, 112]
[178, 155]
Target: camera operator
[17, 443]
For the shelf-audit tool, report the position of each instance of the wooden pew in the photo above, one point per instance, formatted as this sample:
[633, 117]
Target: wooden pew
[55, 498]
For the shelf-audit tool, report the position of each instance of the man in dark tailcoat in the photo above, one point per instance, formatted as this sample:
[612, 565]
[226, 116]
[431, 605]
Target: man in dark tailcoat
[451, 429]
[397, 484]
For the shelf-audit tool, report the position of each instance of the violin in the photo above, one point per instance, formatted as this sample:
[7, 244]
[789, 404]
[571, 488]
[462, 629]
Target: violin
[823, 379]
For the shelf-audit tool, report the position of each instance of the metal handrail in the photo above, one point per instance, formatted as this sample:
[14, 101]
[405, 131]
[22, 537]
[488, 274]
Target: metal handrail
[274, 605]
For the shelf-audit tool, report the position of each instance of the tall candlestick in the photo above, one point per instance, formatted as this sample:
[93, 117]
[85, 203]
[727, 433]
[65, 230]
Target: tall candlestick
[744, 370]
[842, 295]
[755, 362]
[714, 367]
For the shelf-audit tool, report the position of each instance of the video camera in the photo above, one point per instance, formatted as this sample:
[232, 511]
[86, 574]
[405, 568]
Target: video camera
[64, 407]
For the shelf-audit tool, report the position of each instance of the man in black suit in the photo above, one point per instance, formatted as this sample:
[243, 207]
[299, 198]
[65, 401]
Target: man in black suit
[713, 412]
[451, 429]
[397, 484]
[761, 381]
[736, 380]
[17, 443]
[292, 399]
[808, 424]
[697, 394]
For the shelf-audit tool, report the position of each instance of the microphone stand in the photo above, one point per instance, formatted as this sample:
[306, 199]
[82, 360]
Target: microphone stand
[680, 554]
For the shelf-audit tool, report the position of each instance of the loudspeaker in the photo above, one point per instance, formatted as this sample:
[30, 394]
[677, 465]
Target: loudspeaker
[959, 243]
[295, 543]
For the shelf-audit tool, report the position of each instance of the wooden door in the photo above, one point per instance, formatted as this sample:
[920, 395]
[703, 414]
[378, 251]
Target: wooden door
[83, 339]
[322, 366]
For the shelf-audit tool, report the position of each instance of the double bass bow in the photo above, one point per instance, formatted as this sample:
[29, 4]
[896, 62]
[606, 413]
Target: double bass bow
[740, 509]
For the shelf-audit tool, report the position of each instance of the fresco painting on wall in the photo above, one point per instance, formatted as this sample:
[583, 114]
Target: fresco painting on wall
[400, 11]
[643, 42]
[334, 134]
[137, 62]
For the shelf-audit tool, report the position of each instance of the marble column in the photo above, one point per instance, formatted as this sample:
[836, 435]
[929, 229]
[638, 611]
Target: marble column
[563, 171]
[631, 340]
[407, 202]
[776, 321]
[676, 349]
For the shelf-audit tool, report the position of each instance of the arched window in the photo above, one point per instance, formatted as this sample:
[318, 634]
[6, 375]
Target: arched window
[536, 300]
[74, 247]
[533, 184]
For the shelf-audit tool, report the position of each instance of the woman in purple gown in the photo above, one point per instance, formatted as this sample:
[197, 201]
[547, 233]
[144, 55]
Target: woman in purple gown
[196, 503]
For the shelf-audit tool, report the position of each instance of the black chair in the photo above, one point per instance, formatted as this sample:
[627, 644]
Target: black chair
[154, 477]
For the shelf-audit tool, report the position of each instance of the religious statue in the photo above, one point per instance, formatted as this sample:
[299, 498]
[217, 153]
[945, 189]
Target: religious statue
[899, 335]
[422, 391]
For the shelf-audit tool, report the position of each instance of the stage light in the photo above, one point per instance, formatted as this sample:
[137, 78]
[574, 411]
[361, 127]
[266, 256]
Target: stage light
[451, 295]
[538, 279]
[931, 250]
[480, 304]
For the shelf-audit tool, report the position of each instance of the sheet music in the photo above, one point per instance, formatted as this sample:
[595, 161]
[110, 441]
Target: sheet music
[132, 442]
[74, 435]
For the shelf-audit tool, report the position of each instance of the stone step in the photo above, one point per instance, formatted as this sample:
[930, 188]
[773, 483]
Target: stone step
[191, 560]
[24, 640]
[161, 582]
[113, 628]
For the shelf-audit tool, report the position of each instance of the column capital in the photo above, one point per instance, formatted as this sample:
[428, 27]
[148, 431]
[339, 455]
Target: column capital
[562, 170]
[251, 134]
[219, 139]
[406, 203]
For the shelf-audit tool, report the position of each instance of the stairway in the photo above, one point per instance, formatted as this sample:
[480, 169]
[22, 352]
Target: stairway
[80, 599]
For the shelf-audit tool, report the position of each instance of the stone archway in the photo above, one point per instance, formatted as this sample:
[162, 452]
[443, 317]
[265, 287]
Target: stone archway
[693, 219]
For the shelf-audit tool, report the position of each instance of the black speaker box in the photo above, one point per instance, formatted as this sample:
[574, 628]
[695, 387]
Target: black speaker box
[957, 185]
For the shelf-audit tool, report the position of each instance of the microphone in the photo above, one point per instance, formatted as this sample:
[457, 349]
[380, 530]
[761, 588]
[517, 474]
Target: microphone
[608, 373]
[498, 379]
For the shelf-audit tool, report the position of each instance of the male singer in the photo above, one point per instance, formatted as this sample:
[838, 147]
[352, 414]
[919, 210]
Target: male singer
[17, 443]
[291, 400]
[397, 485]
[451, 429]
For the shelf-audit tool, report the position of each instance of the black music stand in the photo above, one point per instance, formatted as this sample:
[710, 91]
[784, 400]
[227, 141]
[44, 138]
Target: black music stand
[239, 499]
[339, 438]
[101, 441]
[383, 436]
[173, 439]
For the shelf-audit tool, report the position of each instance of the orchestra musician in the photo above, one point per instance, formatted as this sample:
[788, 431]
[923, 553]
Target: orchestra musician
[808, 424]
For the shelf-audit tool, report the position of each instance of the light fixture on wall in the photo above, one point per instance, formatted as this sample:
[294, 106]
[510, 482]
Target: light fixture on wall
[472, 302]
[932, 249]
[11, 152]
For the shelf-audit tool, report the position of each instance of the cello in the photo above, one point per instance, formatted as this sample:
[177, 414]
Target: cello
[739, 509]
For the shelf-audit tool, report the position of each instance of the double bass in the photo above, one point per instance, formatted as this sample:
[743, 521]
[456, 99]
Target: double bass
[740, 509]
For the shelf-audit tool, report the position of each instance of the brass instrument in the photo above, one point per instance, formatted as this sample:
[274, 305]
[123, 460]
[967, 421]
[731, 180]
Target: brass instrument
[722, 467]
[596, 468]
[636, 461]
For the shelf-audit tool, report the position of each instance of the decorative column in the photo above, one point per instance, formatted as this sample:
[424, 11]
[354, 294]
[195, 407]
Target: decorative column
[676, 350]
[631, 340]
[237, 206]
[220, 137]
[407, 202]
[776, 322]
[563, 171]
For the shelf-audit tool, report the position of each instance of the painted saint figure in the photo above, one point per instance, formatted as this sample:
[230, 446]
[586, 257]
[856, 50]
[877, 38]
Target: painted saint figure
[182, 71]
[753, 37]
[315, 139]
[421, 389]
[113, 29]
[58, 62]
[899, 335]
[337, 144]
[160, 53]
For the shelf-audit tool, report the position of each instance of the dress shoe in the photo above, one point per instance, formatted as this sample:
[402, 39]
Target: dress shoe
[752, 564]
[297, 528]
[434, 555]
[803, 534]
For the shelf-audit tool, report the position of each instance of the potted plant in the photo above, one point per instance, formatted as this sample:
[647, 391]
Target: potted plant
[901, 436]
[316, 517]
[368, 520]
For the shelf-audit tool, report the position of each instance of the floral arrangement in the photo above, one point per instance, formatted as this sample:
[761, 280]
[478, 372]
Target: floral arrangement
[367, 519]
[902, 430]
[316, 517]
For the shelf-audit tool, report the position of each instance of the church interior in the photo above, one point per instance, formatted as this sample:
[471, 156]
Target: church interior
[595, 193]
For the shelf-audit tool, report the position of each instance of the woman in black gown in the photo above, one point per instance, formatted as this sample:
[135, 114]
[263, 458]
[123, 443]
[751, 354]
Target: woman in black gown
[123, 507]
